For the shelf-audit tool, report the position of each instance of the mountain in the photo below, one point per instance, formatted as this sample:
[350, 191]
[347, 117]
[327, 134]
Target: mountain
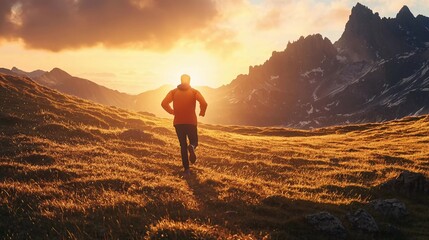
[378, 70]
[62, 81]
[32, 74]
[7, 71]
[368, 37]
[71, 167]
[18, 72]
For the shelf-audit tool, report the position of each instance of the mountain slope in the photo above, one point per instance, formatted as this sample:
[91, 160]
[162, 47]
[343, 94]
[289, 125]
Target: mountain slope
[62, 81]
[70, 168]
[376, 71]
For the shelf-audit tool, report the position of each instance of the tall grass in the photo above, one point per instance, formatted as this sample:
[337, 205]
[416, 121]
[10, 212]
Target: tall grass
[72, 169]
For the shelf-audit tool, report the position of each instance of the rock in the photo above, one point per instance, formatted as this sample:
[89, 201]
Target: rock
[390, 208]
[327, 223]
[388, 229]
[407, 183]
[362, 220]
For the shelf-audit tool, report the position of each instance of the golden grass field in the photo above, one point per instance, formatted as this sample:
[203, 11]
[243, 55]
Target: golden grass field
[73, 169]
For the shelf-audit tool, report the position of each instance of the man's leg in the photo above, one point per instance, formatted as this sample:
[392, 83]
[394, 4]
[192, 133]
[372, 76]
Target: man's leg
[181, 131]
[193, 135]
[193, 142]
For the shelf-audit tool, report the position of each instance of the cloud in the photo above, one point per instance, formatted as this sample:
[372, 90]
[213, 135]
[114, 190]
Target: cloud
[69, 24]
[220, 41]
[271, 20]
[6, 24]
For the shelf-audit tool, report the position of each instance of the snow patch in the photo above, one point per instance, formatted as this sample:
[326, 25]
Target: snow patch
[406, 55]
[304, 123]
[425, 70]
[233, 100]
[419, 111]
[341, 59]
[386, 89]
[315, 98]
[377, 54]
[315, 70]
[407, 79]
[311, 110]
[251, 94]
[274, 77]
[332, 104]
[389, 105]
[371, 99]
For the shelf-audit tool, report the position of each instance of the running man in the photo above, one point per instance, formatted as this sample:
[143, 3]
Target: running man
[184, 99]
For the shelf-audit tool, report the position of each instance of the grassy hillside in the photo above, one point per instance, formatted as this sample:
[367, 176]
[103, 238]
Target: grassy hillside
[70, 168]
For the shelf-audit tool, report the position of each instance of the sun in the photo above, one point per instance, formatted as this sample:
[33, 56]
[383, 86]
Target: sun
[199, 66]
[196, 73]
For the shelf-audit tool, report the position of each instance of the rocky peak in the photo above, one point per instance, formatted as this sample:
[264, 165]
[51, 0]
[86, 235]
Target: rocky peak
[59, 73]
[311, 50]
[357, 39]
[361, 20]
[405, 15]
[311, 41]
[367, 37]
[306, 53]
[360, 11]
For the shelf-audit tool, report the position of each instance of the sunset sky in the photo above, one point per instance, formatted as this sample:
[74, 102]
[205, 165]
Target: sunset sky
[137, 45]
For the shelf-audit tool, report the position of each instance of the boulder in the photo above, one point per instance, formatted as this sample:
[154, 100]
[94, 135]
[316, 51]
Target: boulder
[407, 183]
[362, 220]
[390, 208]
[327, 223]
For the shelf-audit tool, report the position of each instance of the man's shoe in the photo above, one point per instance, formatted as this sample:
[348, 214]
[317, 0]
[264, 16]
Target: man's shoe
[187, 172]
[192, 156]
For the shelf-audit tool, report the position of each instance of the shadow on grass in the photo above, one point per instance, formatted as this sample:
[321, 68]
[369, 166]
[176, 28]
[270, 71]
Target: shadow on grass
[29, 214]
[278, 216]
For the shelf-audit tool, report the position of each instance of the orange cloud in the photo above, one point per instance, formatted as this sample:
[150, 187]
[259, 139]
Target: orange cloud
[271, 20]
[333, 16]
[68, 24]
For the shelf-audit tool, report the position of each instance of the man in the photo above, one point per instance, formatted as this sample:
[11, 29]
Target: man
[184, 99]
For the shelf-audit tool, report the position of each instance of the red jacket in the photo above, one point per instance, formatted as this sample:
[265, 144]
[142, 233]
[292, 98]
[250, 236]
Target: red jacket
[184, 99]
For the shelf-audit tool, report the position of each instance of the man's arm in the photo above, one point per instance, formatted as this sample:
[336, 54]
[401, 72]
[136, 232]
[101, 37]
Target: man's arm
[203, 104]
[166, 103]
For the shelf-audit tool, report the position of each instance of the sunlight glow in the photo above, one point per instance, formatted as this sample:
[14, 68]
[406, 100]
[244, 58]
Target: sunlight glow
[200, 66]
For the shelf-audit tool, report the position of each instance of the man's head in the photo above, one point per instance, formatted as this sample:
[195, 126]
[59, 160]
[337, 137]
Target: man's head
[185, 79]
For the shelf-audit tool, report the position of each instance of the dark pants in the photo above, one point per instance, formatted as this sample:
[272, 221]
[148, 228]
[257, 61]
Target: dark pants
[183, 131]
